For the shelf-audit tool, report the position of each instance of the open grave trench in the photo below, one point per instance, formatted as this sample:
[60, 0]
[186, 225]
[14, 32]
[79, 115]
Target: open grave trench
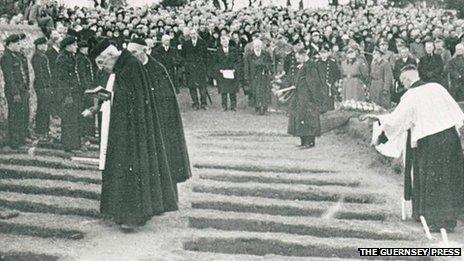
[268, 200]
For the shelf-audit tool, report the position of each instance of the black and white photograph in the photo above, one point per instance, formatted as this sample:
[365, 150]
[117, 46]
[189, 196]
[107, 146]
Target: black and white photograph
[231, 130]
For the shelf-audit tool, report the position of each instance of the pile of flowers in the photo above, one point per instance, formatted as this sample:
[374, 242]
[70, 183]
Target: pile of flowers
[360, 106]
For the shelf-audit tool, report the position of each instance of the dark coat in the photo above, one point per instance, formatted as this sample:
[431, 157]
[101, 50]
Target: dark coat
[456, 74]
[431, 68]
[258, 73]
[328, 73]
[195, 63]
[42, 87]
[16, 78]
[136, 182]
[86, 71]
[399, 90]
[230, 61]
[42, 73]
[170, 59]
[52, 55]
[306, 103]
[69, 95]
[170, 120]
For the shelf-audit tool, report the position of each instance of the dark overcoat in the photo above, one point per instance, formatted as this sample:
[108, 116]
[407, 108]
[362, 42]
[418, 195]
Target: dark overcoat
[306, 103]
[431, 68]
[195, 63]
[42, 87]
[170, 120]
[258, 73]
[328, 73]
[52, 55]
[229, 61]
[86, 73]
[170, 59]
[69, 95]
[456, 74]
[136, 182]
[16, 78]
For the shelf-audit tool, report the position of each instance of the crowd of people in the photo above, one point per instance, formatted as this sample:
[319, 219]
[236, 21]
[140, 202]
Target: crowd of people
[341, 53]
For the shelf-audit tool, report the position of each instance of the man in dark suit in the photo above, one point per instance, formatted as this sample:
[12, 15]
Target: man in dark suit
[195, 57]
[431, 65]
[227, 59]
[404, 60]
[69, 94]
[15, 73]
[42, 86]
[52, 53]
[169, 57]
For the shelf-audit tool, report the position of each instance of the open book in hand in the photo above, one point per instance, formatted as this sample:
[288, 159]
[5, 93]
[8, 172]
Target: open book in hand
[100, 93]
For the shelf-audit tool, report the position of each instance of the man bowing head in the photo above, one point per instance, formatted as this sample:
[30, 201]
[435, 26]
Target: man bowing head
[136, 182]
[431, 118]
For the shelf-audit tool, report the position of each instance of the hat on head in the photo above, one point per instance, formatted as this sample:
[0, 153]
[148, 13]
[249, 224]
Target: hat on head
[14, 38]
[39, 41]
[99, 48]
[68, 41]
[139, 41]
[82, 44]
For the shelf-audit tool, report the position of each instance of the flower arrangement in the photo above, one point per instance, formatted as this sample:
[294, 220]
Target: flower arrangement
[360, 106]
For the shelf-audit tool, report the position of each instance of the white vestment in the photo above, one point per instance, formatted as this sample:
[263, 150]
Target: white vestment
[425, 110]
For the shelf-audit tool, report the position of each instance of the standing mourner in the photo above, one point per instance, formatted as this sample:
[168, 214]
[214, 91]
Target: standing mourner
[42, 87]
[431, 65]
[445, 55]
[328, 73]
[306, 103]
[456, 74]
[194, 54]
[87, 77]
[404, 60]
[16, 79]
[168, 112]
[52, 53]
[226, 71]
[381, 80]
[169, 57]
[427, 119]
[70, 94]
[135, 157]
[258, 71]
[355, 73]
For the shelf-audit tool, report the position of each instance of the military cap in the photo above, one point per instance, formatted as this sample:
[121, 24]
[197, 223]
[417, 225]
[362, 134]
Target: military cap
[14, 38]
[68, 40]
[325, 47]
[40, 40]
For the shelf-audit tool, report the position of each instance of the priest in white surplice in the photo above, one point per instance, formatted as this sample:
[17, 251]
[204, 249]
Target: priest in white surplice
[427, 122]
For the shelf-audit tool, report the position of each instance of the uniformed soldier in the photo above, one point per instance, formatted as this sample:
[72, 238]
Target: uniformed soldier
[381, 80]
[387, 54]
[456, 74]
[69, 94]
[87, 79]
[42, 87]
[16, 78]
[328, 74]
[52, 53]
